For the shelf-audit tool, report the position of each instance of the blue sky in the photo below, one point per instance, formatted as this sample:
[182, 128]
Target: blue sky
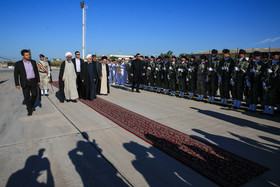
[53, 27]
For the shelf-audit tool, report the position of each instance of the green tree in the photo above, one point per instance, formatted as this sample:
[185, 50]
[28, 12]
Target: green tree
[113, 58]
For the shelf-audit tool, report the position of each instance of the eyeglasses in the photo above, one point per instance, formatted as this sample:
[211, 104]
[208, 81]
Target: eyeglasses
[77, 54]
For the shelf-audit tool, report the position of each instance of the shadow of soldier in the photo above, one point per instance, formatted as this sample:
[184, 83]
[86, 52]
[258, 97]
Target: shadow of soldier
[93, 169]
[153, 168]
[35, 167]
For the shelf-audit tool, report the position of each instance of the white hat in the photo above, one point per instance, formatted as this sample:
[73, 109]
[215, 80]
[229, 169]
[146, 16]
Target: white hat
[89, 55]
[68, 53]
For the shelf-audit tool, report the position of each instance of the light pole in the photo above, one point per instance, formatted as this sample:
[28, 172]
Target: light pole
[84, 7]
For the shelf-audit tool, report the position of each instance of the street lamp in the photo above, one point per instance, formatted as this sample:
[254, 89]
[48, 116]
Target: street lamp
[84, 7]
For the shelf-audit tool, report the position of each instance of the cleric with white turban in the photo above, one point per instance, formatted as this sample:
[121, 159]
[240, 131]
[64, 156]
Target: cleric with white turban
[67, 80]
[88, 77]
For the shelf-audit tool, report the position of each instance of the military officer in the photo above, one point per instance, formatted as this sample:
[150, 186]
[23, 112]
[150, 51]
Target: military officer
[201, 78]
[172, 75]
[254, 80]
[145, 78]
[271, 85]
[44, 73]
[158, 74]
[151, 73]
[165, 67]
[182, 76]
[238, 79]
[226, 66]
[192, 72]
[212, 72]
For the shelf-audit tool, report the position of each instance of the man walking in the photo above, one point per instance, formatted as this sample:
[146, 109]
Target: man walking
[27, 77]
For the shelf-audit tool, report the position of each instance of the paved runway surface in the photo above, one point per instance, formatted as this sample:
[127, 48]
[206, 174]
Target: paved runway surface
[49, 148]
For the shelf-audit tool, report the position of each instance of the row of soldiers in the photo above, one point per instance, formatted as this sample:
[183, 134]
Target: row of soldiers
[254, 80]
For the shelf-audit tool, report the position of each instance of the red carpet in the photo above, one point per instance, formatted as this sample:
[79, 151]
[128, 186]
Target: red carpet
[218, 165]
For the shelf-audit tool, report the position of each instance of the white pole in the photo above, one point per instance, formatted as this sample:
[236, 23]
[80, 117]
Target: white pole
[83, 33]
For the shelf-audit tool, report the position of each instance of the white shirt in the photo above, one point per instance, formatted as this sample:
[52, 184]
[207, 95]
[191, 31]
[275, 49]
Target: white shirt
[78, 65]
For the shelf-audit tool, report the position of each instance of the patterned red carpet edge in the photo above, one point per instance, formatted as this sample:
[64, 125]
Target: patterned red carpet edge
[218, 165]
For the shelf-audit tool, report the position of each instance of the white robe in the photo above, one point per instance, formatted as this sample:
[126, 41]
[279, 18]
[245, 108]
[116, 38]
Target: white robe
[70, 87]
[104, 88]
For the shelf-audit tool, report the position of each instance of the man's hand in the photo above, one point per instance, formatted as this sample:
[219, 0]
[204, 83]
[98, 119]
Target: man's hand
[63, 79]
[83, 81]
[94, 80]
[143, 74]
[18, 87]
[39, 83]
[131, 74]
[100, 78]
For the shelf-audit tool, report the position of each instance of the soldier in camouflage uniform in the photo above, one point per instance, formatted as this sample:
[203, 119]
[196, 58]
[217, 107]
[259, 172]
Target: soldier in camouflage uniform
[165, 81]
[238, 79]
[172, 75]
[226, 66]
[158, 74]
[201, 77]
[142, 80]
[192, 76]
[271, 85]
[182, 75]
[44, 73]
[212, 71]
[145, 78]
[254, 80]
[151, 73]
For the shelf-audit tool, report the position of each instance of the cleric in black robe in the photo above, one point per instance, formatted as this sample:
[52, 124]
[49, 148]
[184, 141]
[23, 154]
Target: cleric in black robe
[88, 77]
[136, 72]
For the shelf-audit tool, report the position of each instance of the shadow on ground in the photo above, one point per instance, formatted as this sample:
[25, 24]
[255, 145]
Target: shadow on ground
[35, 166]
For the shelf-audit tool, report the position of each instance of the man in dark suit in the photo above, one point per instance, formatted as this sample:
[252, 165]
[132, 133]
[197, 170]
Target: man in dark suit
[27, 77]
[78, 63]
[136, 72]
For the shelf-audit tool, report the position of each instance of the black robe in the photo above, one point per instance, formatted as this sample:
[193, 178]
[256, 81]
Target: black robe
[89, 76]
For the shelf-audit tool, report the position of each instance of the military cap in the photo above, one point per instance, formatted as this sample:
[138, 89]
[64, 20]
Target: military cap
[257, 53]
[275, 53]
[193, 56]
[41, 55]
[146, 57]
[174, 57]
[226, 51]
[202, 57]
[104, 57]
[265, 55]
[166, 56]
[153, 57]
[137, 54]
[184, 57]
[242, 51]
[214, 51]
[159, 57]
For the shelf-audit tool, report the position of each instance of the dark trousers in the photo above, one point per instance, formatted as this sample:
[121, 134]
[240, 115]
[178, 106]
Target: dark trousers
[31, 87]
[79, 85]
[212, 85]
[135, 82]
